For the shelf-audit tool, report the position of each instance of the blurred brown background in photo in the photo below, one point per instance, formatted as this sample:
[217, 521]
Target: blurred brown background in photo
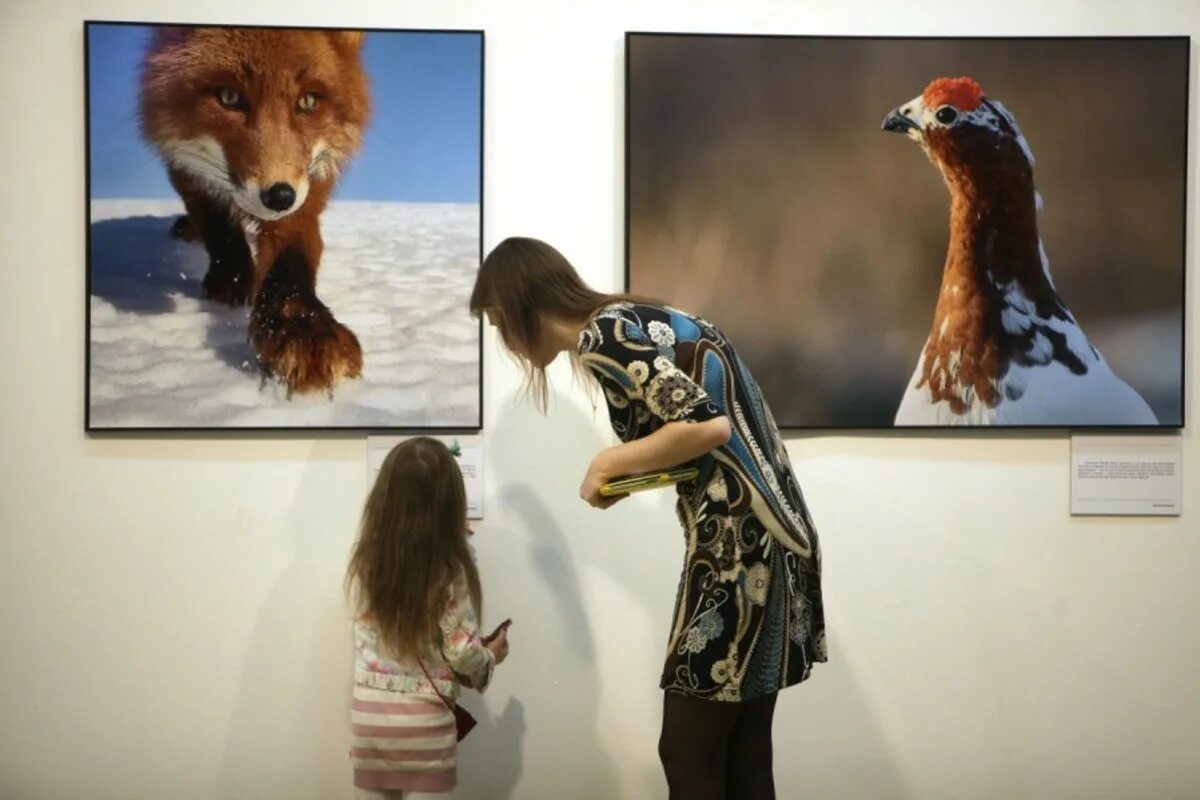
[764, 197]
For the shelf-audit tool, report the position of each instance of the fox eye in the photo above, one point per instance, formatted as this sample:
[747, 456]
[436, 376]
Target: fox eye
[307, 102]
[230, 97]
[946, 115]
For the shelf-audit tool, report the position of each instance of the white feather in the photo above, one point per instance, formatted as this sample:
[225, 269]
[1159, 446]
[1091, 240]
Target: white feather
[1014, 321]
[1049, 395]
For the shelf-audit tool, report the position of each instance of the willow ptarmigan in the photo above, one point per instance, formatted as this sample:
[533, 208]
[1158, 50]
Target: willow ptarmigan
[1003, 349]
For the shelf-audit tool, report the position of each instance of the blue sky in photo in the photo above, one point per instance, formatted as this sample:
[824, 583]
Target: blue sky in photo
[421, 144]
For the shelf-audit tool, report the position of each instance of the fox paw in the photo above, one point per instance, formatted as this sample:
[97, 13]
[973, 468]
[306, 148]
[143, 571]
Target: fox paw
[184, 230]
[302, 346]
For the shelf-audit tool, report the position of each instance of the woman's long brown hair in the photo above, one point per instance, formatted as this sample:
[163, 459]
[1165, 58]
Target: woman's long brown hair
[522, 283]
[412, 544]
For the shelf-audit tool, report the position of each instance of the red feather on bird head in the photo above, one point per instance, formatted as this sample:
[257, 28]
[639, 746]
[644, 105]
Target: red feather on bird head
[964, 93]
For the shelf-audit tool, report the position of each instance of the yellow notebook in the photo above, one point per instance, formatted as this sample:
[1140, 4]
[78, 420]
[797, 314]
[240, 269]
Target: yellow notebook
[649, 480]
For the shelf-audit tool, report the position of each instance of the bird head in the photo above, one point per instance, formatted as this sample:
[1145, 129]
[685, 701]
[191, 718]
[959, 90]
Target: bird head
[963, 131]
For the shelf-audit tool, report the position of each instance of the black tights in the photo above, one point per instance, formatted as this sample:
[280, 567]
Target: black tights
[714, 750]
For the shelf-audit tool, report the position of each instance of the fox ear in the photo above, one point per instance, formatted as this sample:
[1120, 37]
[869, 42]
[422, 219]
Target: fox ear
[348, 40]
[172, 34]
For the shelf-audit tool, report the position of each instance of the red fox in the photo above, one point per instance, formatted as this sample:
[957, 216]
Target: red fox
[254, 126]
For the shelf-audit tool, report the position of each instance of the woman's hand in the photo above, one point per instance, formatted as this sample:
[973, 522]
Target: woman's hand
[499, 645]
[672, 445]
[598, 474]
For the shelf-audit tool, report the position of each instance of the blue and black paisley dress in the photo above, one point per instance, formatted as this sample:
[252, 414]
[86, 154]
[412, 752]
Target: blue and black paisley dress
[748, 617]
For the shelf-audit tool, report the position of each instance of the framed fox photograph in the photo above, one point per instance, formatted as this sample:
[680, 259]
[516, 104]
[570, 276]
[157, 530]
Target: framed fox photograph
[921, 232]
[284, 226]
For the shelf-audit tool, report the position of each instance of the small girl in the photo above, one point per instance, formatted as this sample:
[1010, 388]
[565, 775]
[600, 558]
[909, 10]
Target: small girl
[418, 599]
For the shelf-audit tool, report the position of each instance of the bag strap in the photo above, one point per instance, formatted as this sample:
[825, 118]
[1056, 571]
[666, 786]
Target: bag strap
[434, 685]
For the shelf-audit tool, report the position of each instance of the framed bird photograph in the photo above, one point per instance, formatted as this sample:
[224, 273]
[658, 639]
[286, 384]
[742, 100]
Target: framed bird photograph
[284, 226]
[921, 232]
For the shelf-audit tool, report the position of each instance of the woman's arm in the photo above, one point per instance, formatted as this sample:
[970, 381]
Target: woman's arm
[671, 445]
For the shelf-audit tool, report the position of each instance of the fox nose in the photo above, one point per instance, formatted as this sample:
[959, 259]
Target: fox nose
[278, 196]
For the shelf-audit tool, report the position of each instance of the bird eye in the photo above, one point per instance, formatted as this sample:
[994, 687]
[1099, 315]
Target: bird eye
[230, 97]
[307, 102]
[946, 115]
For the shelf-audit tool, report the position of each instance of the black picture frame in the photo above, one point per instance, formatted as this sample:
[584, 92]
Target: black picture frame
[631, 36]
[167, 431]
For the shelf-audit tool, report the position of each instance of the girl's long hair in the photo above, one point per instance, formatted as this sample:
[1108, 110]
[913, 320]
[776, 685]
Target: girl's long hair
[412, 544]
[521, 284]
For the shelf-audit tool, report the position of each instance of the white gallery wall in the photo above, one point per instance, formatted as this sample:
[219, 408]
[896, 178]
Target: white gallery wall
[171, 617]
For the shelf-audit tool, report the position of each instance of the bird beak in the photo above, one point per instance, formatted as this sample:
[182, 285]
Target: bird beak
[898, 122]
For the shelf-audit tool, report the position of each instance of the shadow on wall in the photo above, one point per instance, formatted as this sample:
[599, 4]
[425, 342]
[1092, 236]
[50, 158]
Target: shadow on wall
[289, 730]
[565, 625]
[828, 738]
[499, 737]
[288, 733]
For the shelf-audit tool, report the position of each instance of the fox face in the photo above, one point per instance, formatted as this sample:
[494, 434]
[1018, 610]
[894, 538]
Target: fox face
[255, 117]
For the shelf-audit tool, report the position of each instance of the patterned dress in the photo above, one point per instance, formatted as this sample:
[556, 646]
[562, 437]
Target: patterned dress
[748, 617]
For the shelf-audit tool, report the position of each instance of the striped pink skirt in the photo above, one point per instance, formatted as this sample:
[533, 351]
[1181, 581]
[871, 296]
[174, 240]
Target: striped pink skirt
[402, 741]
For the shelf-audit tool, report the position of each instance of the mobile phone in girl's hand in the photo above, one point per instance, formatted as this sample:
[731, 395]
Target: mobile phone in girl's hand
[502, 626]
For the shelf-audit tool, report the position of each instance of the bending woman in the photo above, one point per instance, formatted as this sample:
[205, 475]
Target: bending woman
[748, 617]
